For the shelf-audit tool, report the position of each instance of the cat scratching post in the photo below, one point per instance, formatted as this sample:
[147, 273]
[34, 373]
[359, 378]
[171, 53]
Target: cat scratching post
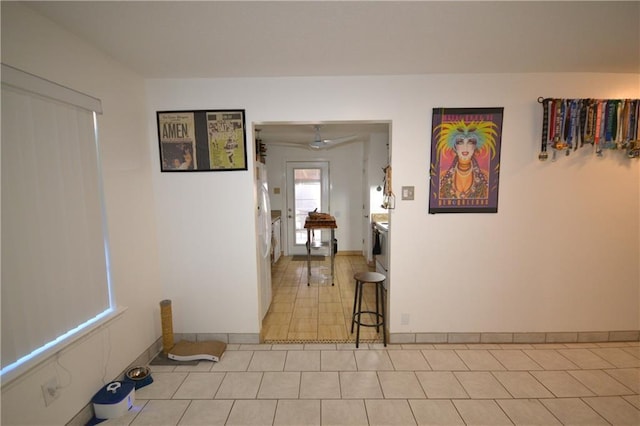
[167, 326]
[185, 350]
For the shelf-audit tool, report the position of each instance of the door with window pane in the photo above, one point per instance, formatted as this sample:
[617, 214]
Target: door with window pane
[307, 190]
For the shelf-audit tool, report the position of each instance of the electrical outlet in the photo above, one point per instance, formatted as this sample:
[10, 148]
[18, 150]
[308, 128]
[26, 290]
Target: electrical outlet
[50, 390]
[404, 319]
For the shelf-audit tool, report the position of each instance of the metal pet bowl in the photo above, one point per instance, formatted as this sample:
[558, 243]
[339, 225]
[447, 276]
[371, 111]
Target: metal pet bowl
[140, 376]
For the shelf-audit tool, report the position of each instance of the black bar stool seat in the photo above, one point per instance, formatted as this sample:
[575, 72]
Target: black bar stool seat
[377, 279]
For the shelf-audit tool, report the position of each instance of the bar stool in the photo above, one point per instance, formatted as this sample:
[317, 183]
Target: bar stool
[377, 279]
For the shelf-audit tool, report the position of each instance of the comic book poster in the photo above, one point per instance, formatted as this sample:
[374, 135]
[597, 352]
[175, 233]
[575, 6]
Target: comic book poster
[465, 160]
[226, 140]
[177, 141]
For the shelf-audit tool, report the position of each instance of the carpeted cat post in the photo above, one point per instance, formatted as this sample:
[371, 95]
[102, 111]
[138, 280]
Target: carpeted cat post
[184, 350]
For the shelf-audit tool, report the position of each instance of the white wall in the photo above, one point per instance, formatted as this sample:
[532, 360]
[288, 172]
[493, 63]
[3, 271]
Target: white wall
[194, 233]
[35, 45]
[451, 273]
[556, 257]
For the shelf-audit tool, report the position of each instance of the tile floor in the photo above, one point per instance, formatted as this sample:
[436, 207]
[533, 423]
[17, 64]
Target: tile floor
[313, 383]
[336, 384]
[318, 312]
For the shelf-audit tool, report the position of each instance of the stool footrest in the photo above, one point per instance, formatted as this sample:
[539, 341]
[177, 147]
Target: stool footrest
[357, 320]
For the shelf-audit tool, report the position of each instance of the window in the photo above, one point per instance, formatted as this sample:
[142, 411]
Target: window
[55, 274]
[307, 198]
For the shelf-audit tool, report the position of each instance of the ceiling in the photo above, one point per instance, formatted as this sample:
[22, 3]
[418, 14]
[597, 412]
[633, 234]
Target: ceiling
[236, 39]
[212, 39]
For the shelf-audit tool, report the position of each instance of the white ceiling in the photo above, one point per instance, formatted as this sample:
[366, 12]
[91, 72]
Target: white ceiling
[208, 39]
[215, 39]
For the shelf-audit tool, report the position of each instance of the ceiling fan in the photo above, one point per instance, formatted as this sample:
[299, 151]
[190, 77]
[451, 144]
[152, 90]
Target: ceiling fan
[318, 143]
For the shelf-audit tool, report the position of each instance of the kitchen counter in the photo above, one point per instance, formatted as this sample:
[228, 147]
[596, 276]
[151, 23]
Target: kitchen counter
[380, 221]
[382, 226]
[379, 217]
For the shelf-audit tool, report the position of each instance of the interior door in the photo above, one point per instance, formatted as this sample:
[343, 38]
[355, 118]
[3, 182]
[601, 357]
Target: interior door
[307, 190]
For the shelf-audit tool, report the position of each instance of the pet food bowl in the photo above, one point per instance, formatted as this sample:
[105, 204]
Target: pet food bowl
[140, 376]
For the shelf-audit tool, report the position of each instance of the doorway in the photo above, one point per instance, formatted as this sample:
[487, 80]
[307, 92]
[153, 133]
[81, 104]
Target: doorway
[341, 179]
[307, 190]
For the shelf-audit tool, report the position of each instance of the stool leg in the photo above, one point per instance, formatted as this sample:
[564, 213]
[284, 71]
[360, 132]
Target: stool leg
[359, 315]
[377, 311]
[384, 317]
[355, 302]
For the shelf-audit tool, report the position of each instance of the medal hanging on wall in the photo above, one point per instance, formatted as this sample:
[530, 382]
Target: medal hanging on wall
[612, 124]
[558, 134]
[569, 125]
[572, 139]
[623, 108]
[634, 130]
[545, 128]
[551, 138]
[590, 122]
[598, 131]
[610, 130]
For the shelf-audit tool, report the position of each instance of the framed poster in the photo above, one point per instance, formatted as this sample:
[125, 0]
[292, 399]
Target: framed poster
[465, 160]
[202, 140]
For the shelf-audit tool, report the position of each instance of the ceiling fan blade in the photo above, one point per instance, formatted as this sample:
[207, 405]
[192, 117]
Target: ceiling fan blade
[331, 143]
[288, 144]
[317, 143]
[340, 140]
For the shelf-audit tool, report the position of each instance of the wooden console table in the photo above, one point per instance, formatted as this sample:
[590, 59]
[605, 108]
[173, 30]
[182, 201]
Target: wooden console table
[311, 224]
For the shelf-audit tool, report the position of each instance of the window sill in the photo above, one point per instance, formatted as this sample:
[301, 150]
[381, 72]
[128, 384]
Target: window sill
[60, 347]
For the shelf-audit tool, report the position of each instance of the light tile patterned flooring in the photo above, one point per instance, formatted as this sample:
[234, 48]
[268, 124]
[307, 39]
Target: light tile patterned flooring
[318, 312]
[336, 384]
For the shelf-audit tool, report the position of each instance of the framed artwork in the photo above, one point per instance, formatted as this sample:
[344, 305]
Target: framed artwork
[202, 140]
[465, 160]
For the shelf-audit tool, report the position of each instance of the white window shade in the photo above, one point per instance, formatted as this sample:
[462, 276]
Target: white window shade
[54, 251]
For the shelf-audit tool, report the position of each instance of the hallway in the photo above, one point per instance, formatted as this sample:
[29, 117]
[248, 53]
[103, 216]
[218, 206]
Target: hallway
[319, 312]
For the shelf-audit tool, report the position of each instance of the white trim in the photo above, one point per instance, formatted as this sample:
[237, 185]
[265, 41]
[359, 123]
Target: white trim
[60, 347]
[31, 83]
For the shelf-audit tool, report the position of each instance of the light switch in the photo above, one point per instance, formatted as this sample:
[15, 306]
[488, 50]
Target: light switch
[407, 192]
[276, 190]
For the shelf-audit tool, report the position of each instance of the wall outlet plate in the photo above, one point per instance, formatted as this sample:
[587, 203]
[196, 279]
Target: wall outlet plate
[50, 390]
